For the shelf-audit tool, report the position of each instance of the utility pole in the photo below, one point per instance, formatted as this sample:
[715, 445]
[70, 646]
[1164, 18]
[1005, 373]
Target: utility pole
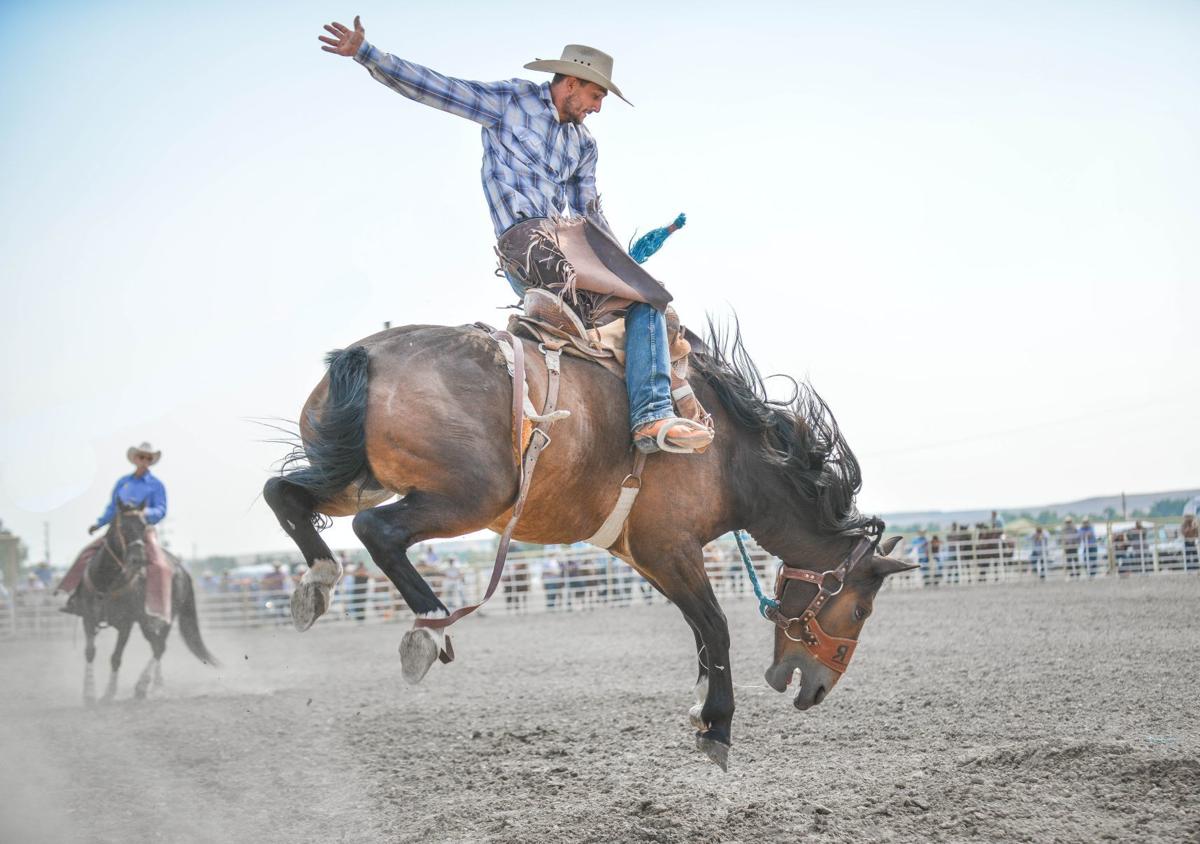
[46, 540]
[1124, 514]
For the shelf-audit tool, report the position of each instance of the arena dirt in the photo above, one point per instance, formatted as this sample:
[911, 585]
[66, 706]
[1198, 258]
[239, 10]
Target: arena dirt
[1060, 712]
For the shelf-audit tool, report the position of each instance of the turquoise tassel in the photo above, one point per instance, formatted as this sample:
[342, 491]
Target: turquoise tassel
[652, 241]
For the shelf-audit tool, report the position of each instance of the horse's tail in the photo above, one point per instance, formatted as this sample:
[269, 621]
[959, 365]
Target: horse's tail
[335, 450]
[189, 622]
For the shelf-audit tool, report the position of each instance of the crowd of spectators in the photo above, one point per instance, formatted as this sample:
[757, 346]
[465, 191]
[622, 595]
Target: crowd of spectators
[980, 551]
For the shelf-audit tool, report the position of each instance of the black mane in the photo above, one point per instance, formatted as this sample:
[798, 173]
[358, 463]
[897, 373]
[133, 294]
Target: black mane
[800, 436]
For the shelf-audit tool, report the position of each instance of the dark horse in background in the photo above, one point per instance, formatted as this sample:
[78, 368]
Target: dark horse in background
[113, 593]
[424, 412]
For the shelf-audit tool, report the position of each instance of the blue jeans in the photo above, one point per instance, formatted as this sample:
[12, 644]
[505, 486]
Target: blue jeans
[647, 365]
[647, 362]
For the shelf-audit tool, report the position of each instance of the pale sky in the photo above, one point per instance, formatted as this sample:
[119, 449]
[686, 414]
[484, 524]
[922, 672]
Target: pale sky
[973, 226]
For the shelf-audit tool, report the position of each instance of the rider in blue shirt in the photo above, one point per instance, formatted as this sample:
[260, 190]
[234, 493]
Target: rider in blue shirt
[139, 488]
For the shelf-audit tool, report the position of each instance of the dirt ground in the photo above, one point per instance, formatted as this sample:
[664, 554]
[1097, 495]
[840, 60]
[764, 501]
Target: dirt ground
[1055, 712]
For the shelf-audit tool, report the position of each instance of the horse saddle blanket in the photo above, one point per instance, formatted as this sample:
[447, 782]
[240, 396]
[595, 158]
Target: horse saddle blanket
[546, 318]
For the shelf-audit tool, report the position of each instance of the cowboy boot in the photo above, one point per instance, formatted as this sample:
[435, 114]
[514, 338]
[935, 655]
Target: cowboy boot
[673, 434]
[74, 604]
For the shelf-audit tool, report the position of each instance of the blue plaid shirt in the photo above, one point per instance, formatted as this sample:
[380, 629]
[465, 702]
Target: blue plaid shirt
[533, 165]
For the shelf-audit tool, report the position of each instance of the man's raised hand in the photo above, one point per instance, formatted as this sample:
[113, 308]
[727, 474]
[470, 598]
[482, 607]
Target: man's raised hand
[344, 41]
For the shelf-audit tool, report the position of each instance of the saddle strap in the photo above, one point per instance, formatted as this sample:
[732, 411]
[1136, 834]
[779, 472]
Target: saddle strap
[610, 531]
[537, 444]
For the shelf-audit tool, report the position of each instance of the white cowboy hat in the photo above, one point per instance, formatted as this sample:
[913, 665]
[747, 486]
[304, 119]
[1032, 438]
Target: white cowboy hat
[582, 62]
[144, 448]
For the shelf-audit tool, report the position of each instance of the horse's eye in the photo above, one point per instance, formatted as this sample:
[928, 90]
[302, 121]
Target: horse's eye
[860, 613]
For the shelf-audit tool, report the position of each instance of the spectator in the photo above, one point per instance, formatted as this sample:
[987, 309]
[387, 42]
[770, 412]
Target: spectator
[360, 584]
[552, 581]
[44, 573]
[1089, 545]
[276, 580]
[623, 580]
[1068, 538]
[1039, 552]
[920, 549]
[429, 557]
[997, 521]
[453, 595]
[1190, 531]
[935, 558]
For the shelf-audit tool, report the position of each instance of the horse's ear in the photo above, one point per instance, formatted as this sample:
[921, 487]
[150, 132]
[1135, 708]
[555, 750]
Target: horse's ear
[888, 545]
[883, 566]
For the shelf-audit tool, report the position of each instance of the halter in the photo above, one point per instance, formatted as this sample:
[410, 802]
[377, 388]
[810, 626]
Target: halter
[832, 652]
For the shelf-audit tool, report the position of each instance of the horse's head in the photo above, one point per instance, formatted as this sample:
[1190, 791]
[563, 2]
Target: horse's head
[129, 525]
[821, 616]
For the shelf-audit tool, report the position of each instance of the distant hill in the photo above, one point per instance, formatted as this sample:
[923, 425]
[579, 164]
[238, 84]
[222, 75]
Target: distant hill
[1143, 502]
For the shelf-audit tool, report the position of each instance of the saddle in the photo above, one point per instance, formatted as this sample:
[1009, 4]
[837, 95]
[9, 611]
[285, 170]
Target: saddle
[546, 318]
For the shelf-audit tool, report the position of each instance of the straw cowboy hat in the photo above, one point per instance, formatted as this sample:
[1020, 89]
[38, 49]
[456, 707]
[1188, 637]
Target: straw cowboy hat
[144, 448]
[582, 62]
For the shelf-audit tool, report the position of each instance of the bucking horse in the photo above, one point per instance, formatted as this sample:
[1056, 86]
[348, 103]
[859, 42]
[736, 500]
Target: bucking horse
[113, 593]
[426, 413]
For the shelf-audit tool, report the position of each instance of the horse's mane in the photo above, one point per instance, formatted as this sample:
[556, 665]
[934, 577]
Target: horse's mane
[799, 436]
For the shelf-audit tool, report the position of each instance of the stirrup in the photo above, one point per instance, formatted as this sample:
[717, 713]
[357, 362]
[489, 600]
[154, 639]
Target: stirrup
[660, 439]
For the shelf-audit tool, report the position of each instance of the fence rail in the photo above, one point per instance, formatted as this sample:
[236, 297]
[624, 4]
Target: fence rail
[586, 579]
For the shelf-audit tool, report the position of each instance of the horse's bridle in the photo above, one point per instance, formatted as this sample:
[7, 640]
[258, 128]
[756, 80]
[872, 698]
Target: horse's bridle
[126, 575]
[832, 652]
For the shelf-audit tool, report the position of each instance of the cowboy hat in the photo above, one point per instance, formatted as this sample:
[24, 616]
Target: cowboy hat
[144, 448]
[586, 63]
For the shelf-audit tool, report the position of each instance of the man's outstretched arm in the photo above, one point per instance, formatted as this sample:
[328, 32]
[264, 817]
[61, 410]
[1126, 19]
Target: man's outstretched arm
[478, 101]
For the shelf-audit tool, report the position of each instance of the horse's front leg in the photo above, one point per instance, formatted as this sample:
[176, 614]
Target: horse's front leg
[680, 576]
[701, 690]
[89, 653]
[156, 634]
[115, 661]
[715, 728]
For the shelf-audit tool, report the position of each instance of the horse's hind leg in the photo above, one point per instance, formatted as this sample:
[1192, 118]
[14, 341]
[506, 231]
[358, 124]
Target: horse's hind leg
[389, 531]
[115, 661]
[295, 508]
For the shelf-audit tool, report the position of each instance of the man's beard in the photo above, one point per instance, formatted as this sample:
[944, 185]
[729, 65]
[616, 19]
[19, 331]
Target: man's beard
[574, 110]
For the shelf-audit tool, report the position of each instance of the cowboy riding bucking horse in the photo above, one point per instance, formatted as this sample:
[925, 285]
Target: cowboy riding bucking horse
[539, 178]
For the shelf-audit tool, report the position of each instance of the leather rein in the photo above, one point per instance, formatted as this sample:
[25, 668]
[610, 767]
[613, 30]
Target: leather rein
[831, 651]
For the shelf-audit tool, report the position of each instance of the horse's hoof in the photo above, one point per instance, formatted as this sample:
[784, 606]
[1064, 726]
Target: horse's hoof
[418, 650]
[694, 717]
[139, 693]
[717, 751]
[309, 602]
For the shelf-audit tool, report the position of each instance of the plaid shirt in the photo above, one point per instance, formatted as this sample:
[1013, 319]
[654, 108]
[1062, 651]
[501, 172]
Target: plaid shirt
[533, 165]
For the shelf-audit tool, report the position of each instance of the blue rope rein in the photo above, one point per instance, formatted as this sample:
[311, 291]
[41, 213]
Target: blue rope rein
[764, 603]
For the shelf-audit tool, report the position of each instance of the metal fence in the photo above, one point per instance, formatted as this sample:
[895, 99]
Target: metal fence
[585, 579]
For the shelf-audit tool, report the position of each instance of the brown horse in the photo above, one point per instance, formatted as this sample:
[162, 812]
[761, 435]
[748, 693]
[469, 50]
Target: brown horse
[424, 412]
